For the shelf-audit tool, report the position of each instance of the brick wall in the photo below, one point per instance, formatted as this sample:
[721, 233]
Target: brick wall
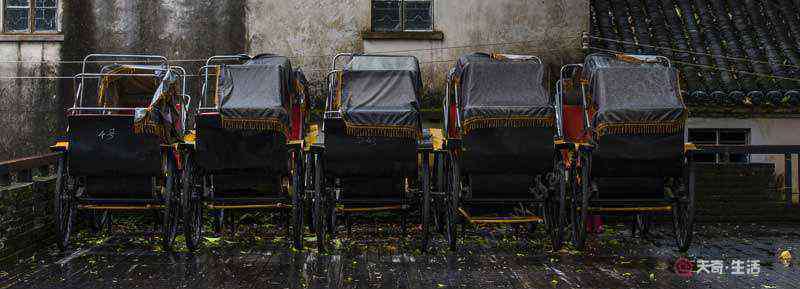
[741, 193]
[26, 223]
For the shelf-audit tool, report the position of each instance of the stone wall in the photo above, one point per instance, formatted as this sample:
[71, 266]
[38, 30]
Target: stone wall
[26, 219]
[190, 31]
[741, 193]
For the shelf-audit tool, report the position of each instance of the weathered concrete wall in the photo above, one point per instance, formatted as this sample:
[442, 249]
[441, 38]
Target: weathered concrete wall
[314, 30]
[177, 29]
[309, 31]
[32, 116]
[174, 28]
[28, 107]
[763, 131]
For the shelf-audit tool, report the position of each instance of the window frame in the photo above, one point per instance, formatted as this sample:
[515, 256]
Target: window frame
[402, 17]
[718, 157]
[31, 20]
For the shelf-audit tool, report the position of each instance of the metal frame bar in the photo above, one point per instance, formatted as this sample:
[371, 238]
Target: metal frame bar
[371, 201]
[329, 112]
[371, 209]
[498, 201]
[659, 209]
[214, 206]
[120, 207]
[78, 103]
[164, 63]
[121, 201]
[584, 103]
[187, 99]
[446, 103]
[750, 149]
[244, 201]
[499, 220]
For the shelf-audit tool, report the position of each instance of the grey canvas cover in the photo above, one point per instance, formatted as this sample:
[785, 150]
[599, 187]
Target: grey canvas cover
[162, 116]
[635, 98]
[255, 95]
[380, 96]
[383, 62]
[498, 92]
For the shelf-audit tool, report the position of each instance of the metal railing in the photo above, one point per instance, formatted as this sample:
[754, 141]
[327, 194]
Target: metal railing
[19, 173]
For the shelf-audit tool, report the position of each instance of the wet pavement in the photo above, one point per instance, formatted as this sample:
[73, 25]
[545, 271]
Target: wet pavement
[374, 255]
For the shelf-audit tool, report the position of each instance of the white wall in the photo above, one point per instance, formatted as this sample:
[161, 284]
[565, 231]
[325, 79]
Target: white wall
[30, 113]
[763, 131]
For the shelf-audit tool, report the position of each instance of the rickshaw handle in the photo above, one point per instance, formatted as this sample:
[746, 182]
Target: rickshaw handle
[163, 60]
[204, 71]
[335, 58]
[586, 124]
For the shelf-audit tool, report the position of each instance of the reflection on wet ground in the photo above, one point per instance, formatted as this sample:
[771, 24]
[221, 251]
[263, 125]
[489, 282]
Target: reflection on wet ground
[374, 256]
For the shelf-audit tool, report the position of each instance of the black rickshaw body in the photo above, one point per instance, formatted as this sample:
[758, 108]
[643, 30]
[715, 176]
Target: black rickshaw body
[371, 153]
[502, 144]
[119, 153]
[118, 149]
[245, 151]
[627, 120]
[372, 125]
[244, 125]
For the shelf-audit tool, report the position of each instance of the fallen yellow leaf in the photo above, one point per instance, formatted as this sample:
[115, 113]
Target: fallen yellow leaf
[785, 257]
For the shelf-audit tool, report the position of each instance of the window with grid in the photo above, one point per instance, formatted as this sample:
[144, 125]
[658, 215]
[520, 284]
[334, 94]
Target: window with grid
[30, 16]
[402, 15]
[720, 137]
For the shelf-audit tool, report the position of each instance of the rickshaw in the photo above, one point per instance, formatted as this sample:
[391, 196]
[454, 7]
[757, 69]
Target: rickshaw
[245, 151]
[504, 146]
[119, 153]
[626, 117]
[370, 154]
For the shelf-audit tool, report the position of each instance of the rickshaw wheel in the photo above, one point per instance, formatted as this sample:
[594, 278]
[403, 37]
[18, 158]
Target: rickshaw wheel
[319, 205]
[330, 207]
[297, 201]
[192, 206]
[642, 225]
[580, 203]
[424, 184]
[171, 209]
[683, 209]
[554, 207]
[101, 222]
[307, 196]
[64, 206]
[454, 186]
[439, 179]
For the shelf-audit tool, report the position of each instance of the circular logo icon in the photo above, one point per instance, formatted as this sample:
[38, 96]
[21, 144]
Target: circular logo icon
[684, 267]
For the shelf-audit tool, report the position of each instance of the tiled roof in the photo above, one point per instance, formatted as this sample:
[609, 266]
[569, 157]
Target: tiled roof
[732, 53]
